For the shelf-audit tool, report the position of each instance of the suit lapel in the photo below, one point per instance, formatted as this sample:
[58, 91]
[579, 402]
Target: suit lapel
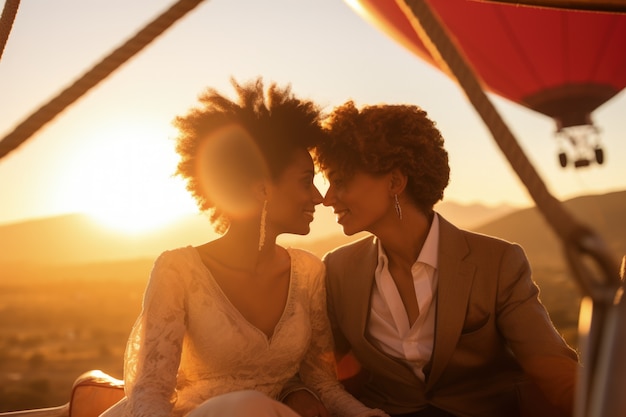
[454, 286]
[364, 263]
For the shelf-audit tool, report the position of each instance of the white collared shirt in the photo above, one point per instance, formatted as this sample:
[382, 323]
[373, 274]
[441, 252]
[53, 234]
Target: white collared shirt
[388, 326]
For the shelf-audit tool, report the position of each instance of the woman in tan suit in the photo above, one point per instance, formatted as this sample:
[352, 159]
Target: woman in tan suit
[443, 321]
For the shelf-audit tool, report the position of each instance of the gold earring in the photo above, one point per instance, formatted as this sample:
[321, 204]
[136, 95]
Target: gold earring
[262, 226]
[397, 205]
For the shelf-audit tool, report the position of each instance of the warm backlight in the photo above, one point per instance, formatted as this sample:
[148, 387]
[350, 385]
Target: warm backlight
[125, 179]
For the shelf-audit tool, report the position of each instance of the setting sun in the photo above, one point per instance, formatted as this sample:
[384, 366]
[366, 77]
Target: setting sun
[124, 179]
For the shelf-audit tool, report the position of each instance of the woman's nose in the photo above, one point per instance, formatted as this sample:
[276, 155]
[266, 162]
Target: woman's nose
[317, 196]
[329, 198]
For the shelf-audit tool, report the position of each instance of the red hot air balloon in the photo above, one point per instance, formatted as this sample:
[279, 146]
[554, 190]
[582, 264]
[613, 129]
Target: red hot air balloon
[560, 62]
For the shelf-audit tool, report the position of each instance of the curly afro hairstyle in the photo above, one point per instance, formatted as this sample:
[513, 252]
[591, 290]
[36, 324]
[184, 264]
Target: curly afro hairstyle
[278, 123]
[376, 139]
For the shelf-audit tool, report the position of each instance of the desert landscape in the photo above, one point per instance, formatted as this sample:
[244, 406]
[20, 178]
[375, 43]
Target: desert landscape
[70, 291]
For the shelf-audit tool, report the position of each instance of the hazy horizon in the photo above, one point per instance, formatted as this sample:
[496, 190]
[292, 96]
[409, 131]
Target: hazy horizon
[77, 238]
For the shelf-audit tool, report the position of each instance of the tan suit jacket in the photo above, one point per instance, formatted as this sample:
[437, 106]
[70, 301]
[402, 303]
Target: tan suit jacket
[490, 327]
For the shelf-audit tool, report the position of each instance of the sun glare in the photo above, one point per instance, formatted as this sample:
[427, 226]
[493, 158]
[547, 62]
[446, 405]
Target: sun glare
[124, 180]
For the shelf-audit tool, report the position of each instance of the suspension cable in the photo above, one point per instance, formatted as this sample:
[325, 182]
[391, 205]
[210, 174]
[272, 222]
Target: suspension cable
[96, 74]
[6, 21]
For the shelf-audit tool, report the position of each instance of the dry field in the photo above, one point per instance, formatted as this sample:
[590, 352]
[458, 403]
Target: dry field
[57, 323]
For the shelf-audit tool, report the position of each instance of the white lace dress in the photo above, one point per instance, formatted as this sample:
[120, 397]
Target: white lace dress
[190, 343]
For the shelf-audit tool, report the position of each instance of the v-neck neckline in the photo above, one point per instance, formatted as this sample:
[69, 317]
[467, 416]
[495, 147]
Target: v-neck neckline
[237, 312]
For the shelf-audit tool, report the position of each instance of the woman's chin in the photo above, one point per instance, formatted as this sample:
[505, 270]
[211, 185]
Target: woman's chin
[302, 231]
[347, 230]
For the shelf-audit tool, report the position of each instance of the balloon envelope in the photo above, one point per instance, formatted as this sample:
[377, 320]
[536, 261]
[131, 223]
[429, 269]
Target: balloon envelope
[562, 63]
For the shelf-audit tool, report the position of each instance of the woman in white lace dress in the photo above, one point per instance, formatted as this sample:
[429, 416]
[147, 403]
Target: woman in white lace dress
[227, 324]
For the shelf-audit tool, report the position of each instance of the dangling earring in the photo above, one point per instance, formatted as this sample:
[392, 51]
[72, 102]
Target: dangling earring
[397, 205]
[262, 227]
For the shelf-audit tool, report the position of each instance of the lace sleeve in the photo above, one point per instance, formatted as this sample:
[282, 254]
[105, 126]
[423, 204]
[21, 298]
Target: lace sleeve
[318, 369]
[154, 346]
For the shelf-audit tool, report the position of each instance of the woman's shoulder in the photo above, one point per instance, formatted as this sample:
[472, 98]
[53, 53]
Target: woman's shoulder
[184, 253]
[180, 261]
[170, 272]
[303, 260]
[303, 255]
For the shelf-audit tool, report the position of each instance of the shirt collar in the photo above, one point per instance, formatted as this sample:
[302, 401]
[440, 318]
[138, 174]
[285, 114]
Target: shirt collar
[430, 251]
[429, 254]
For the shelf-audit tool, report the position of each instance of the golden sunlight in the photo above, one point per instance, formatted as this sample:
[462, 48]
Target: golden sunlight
[123, 178]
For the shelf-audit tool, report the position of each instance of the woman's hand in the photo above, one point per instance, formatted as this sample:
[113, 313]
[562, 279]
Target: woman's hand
[305, 404]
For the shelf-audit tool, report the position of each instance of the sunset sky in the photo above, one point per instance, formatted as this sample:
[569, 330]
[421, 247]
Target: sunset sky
[111, 154]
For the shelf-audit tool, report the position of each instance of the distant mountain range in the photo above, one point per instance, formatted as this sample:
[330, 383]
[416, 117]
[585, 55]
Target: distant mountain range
[605, 214]
[76, 239]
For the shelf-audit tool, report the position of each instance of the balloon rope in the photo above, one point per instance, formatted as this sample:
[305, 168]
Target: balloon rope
[96, 74]
[576, 237]
[6, 21]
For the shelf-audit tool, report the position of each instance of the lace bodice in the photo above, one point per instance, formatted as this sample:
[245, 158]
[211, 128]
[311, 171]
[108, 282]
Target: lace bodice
[190, 343]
